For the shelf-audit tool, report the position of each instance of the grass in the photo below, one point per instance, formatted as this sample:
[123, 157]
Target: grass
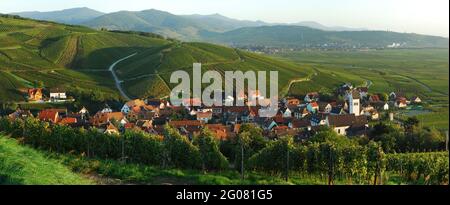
[152, 87]
[149, 175]
[9, 88]
[437, 119]
[126, 173]
[26, 166]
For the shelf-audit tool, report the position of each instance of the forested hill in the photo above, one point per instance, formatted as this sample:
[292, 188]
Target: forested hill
[300, 36]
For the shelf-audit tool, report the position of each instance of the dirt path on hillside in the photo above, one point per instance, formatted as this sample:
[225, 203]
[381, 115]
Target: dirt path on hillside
[116, 79]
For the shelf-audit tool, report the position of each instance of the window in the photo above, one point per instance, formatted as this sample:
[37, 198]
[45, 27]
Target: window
[339, 131]
[356, 104]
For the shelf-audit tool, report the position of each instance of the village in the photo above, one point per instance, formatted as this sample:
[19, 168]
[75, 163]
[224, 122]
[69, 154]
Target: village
[298, 117]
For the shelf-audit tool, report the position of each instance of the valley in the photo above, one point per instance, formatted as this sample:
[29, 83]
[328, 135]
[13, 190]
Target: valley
[116, 125]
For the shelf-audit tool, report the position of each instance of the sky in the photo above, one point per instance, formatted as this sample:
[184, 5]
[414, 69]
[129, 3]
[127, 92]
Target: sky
[412, 16]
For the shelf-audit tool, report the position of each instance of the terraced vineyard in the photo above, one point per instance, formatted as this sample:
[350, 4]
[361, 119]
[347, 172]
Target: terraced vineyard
[62, 55]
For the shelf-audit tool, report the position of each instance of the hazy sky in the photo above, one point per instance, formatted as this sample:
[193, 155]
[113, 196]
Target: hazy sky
[418, 16]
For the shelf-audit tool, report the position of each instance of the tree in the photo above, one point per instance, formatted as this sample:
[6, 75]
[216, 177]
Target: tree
[256, 139]
[212, 158]
[410, 124]
[243, 151]
[329, 157]
[384, 97]
[250, 141]
[376, 162]
[387, 135]
[179, 151]
[279, 156]
[433, 139]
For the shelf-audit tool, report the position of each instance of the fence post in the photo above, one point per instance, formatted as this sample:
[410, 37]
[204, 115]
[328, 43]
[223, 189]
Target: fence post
[446, 140]
[242, 160]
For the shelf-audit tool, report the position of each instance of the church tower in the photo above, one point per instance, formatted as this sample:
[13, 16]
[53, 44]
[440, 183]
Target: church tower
[354, 104]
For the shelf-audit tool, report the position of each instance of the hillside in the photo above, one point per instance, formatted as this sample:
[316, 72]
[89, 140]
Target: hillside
[78, 58]
[300, 36]
[58, 55]
[216, 28]
[183, 27]
[67, 16]
[21, 165]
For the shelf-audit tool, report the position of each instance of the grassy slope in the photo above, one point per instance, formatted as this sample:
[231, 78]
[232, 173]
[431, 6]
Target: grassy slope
[61, 55]
[23, 165]
[44, 51]
[181, 56]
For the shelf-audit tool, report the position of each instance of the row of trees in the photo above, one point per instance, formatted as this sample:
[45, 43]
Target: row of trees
[327, 154]
[407, 138]
[432, 168]
[172, 150]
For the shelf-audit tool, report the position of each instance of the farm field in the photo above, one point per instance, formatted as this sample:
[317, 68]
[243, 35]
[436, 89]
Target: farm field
[422, 72]
[26, 166]
[414, 72]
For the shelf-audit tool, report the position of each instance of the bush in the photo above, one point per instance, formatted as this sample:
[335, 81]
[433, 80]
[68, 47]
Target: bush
[212, 158]
[179, 151]
[432, 167]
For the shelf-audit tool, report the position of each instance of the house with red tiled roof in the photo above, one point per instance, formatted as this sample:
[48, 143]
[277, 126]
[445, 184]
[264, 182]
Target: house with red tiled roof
[111, 129]
[401, 102]
[104, 118]
[188, 128]
[145, 125]
[68, 121]
[204, 116]
[35, 94]
[299, 124]
[129, 126]
[374, 98]
[49, 116]
[292, 101]
[220, 131]
[134, 105]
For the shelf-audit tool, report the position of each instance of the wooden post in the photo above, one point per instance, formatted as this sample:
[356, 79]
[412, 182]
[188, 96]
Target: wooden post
[242, 160]
[287, 163]
[446, 140]
[123, 149]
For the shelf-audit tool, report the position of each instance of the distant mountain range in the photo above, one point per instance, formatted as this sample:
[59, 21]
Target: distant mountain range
[301, 36]
[220, 29]
[67, 16]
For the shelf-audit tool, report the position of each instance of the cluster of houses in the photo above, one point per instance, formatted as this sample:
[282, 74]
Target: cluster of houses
[55, 95]
[299, 117]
